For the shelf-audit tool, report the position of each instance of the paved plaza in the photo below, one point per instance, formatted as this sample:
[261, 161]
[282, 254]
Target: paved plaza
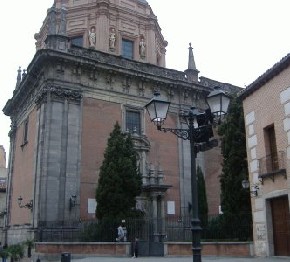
[181, 259]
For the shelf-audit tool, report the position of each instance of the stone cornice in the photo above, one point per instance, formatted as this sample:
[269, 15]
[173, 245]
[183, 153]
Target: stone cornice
[133, 67]
[171, 81]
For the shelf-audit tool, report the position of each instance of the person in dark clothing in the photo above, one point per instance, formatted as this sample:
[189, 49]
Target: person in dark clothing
[135, 248]
[4, 252]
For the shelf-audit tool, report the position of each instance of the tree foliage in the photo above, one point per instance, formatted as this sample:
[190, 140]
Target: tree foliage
[119, 181]
[202, 199]
[234, 199]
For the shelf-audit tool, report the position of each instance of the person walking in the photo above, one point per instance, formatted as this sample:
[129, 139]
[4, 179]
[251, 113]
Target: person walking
[3, 252]
[135, 248]
[120, 233]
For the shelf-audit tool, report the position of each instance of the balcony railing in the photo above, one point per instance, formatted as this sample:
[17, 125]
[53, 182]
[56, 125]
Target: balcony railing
[272, 165]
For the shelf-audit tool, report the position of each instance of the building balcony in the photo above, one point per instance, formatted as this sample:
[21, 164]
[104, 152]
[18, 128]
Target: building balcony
[272, 165]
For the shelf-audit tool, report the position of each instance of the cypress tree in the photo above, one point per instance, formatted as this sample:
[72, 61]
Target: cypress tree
[234, 199]
[119, 181]
[202, 200]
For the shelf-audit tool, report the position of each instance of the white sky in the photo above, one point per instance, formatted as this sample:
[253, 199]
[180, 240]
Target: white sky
[233, 41]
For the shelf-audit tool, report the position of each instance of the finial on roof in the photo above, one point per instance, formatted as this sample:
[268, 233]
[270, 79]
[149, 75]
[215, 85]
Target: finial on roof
[191, 72]
[18, 80]
[24, 73]
[191, 63]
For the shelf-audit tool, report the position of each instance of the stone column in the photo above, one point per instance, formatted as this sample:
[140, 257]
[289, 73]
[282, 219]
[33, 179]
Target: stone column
[154, 232]
[152, 175]
[12, 136]
[102, 28]
[160, 176]
[151, 50]
[162, 214]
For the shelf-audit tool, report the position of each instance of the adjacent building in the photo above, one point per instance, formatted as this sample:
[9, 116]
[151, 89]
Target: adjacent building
[98, 62]
[3, 178]
[266, 104]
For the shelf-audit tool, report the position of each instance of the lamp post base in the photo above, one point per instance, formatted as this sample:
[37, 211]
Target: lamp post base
[196, 246]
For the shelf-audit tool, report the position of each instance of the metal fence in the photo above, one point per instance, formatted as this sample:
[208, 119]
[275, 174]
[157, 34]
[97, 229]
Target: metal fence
[217, 228]
[214, 228]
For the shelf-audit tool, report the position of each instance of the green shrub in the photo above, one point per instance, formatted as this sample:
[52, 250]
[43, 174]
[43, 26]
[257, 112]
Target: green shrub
[4, 253]
[16, 251]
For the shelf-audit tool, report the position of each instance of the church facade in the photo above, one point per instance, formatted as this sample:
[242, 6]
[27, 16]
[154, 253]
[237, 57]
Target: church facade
[99, 62]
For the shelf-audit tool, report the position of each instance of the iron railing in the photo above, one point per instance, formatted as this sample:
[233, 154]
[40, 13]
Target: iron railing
[272, 163]
[216, 228]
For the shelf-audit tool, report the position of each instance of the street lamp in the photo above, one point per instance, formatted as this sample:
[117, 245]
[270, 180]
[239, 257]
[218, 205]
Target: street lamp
[218, 102]
[198, 133]
[255, 187]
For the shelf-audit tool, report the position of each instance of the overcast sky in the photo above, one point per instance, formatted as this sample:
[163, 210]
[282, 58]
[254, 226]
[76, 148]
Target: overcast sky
[234, 41]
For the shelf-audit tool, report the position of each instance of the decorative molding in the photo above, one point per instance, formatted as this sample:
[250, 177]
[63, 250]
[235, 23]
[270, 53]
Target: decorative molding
[127, 84]
[186, 94]
[57, 93]
[13, 130]
[60, 68]
[77, 70]
[141, 88]
[93, 75]
[171, 91]
[135, 66]
[141, 143]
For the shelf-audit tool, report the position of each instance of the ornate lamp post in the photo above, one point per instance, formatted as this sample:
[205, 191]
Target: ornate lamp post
[198, 133]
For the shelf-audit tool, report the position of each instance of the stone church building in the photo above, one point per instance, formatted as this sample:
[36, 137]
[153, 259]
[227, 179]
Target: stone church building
[98, 62]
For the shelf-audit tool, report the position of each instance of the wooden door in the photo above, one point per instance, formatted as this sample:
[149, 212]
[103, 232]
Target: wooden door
[281, 226]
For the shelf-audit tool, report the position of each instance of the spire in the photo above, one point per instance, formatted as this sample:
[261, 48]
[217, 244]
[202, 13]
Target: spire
[191, 72]
[191, 63]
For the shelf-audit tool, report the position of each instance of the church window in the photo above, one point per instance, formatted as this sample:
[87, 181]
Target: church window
[127, 48]
[25, 133]
[77, 41]
[133, 121]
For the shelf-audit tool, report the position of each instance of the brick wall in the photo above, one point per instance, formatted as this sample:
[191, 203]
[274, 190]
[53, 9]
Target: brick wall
[239, 249]
[267, 106]
[23, 171]
[101, 249]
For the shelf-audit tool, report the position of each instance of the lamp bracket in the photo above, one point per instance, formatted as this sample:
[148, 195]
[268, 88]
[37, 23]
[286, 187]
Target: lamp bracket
[3, 213]
[72, 201]
[181, 133]
[28, 205]
[254, 191]
[196, 135]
